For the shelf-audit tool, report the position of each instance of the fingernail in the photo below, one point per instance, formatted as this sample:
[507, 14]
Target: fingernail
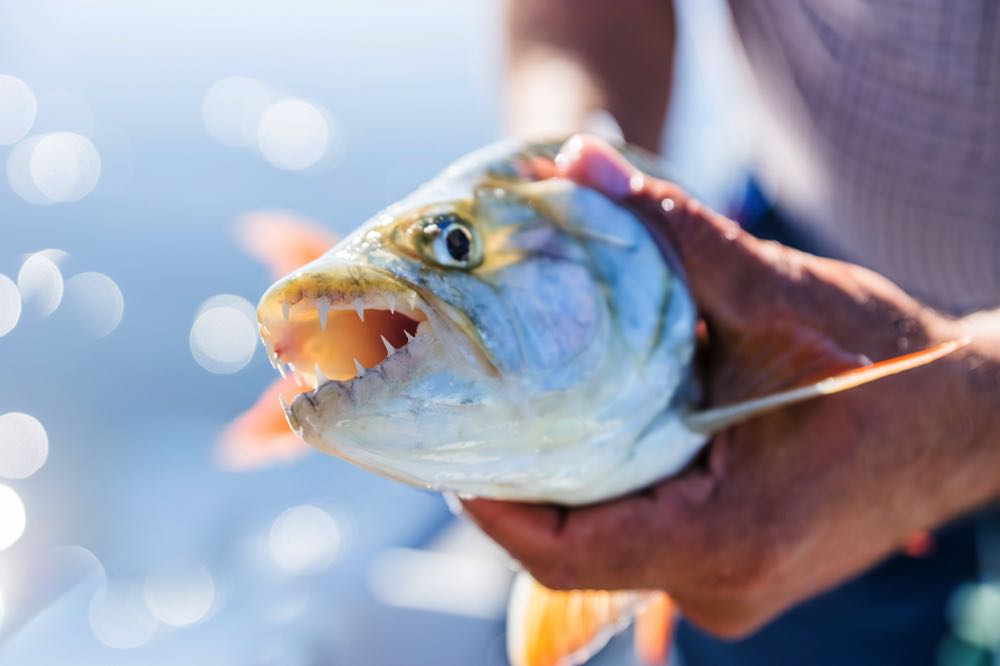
[569, 152]
[600, 168]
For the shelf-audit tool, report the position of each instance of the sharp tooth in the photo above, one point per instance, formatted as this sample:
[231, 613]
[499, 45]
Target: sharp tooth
[412, 297]
[390, 300]
[390, 350]
[286, 309]
[359, 307]
[360, 368]
[284, 403]
[409, 338]
[320, 377]
[323, 307]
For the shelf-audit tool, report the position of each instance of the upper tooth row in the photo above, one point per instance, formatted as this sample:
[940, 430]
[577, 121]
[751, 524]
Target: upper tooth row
[322, 305]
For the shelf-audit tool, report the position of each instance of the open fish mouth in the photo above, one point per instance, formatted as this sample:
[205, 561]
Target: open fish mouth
[338, 325]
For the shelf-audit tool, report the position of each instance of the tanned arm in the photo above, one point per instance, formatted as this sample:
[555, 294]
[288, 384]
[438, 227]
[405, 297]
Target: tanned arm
[569, 58]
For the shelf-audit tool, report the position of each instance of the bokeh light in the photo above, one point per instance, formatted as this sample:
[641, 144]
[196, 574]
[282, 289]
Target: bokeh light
[224, 334]
[95, 302]
[293, 134]
[24, 445]
[41, 284]
[64, 166]
[19, 172]
[10, 305]
[181, 595]
[441, 582]
[232, 109]
[17, 109]
[118, 615]
[975, 614]
[12, 517]
[62, 110]
[56, 256]
[303, 540]
[53, 168]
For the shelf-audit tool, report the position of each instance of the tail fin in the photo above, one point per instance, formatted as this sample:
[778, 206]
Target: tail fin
[654, 626]
[718, 418]
[556, 628]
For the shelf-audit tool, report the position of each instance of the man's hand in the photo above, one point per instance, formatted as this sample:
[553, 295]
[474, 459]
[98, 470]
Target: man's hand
[792, 503]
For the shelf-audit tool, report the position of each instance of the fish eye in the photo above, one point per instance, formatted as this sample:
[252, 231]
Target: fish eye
[458, 240]
[452, 241]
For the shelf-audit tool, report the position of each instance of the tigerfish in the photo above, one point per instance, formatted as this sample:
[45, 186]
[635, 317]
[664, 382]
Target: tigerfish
[507, 334]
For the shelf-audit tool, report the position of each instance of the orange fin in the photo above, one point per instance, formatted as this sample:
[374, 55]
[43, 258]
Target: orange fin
[564, 627]
[282, 241]
[260, 435]
[654, 626]
[718, 418]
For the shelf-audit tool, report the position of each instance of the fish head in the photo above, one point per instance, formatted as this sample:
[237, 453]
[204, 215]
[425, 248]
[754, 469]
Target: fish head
[483, 335]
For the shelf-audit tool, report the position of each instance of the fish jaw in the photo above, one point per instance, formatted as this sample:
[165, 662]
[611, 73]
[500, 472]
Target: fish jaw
[366, 346]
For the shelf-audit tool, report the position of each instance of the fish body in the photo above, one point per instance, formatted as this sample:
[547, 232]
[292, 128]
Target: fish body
[537, 344]
[507, 334]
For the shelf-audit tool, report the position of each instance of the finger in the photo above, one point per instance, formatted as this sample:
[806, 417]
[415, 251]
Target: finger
[535, 536]
[724, 264]
[594, 547]
[636, 541]
[530, 532]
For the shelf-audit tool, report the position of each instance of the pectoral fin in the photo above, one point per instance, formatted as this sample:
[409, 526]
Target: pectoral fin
[282, 241]
[719, 418]
[260, 435]
[565, 627]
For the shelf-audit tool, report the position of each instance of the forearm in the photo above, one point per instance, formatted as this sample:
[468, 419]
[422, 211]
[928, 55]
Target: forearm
[569, 58]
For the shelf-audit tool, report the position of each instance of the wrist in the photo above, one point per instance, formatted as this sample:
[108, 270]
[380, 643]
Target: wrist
[975, 386]
[942, 421]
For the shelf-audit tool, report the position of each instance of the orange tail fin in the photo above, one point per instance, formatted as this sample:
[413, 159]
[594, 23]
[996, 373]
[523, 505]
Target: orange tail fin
[654, 627]
[561, 627]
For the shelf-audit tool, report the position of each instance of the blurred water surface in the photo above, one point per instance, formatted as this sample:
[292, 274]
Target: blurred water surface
[136, 548]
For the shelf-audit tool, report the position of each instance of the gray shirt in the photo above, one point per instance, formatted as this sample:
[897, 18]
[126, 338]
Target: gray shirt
[881, 133]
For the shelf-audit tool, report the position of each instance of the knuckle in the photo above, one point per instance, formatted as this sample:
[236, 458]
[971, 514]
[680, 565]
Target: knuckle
[750, 566]
[557, 576]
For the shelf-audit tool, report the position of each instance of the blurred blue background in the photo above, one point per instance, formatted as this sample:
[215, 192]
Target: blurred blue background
[137, 548]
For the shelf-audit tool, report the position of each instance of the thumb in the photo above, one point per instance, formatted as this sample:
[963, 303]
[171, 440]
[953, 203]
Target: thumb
[725, 266]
